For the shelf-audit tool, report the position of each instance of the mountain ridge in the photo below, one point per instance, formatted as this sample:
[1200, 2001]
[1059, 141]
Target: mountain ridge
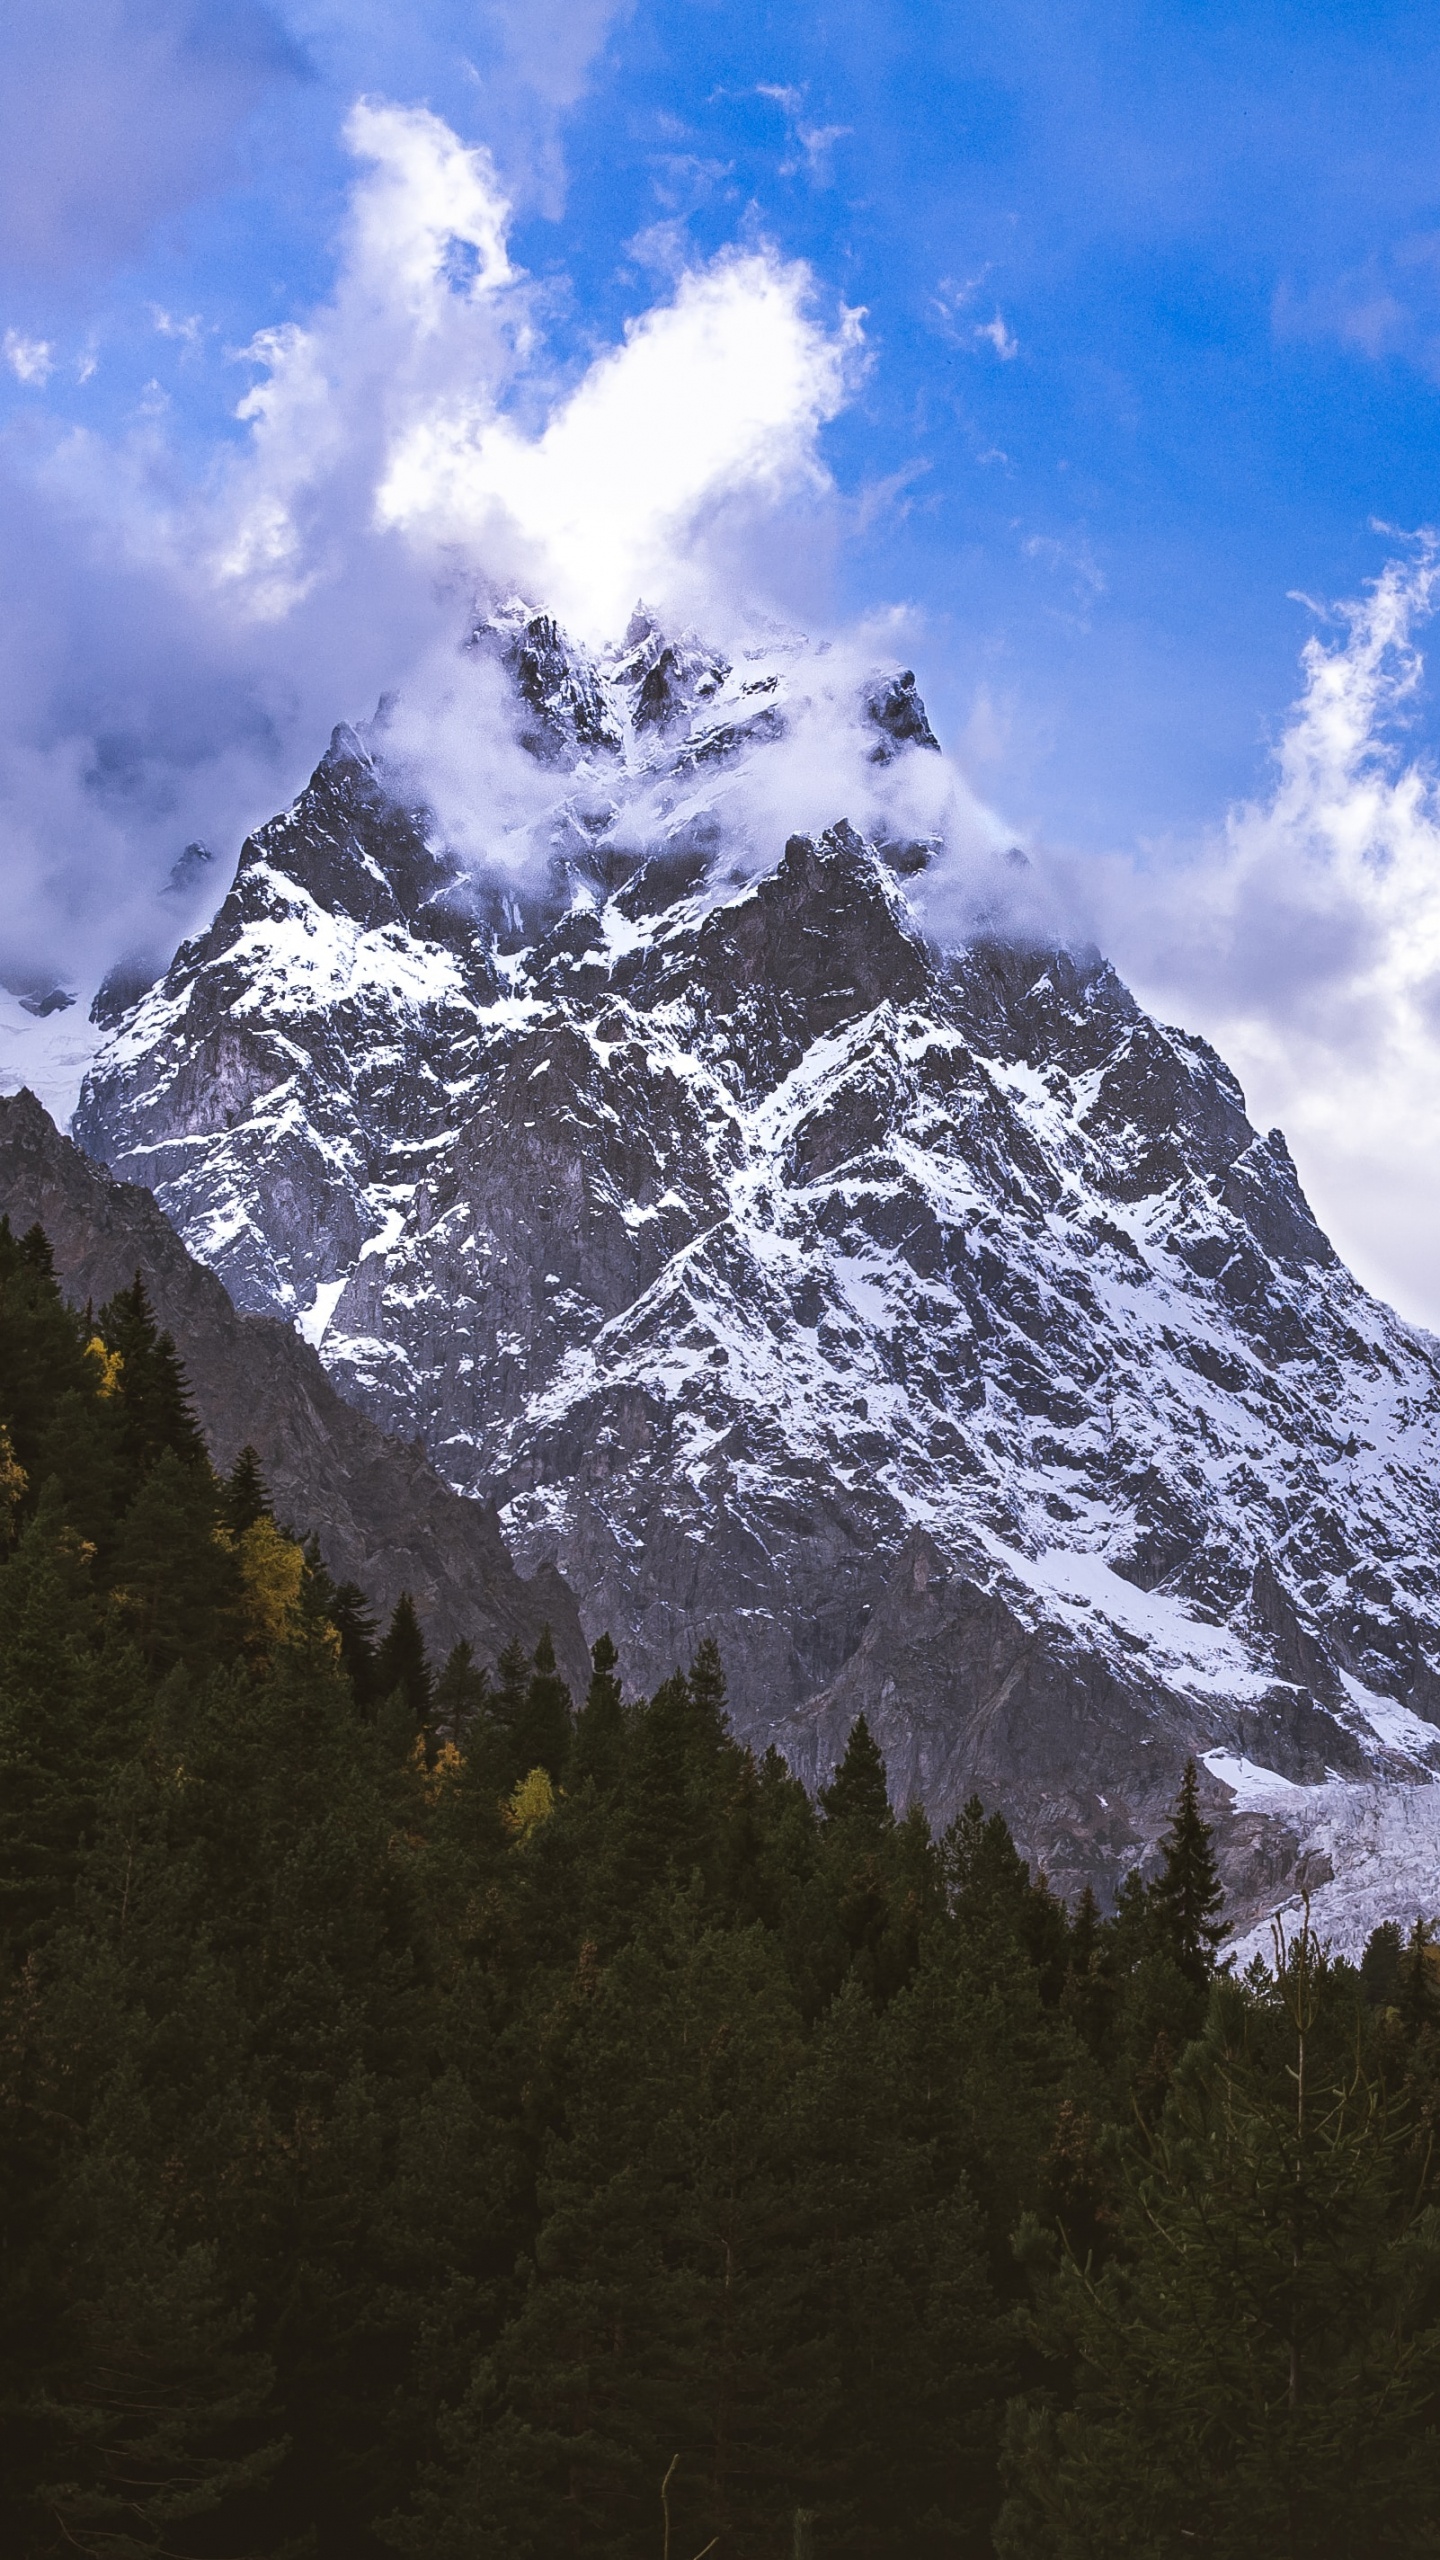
[383, 1519]
[757, 1252]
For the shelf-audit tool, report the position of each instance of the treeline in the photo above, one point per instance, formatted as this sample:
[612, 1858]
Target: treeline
[438, 2120]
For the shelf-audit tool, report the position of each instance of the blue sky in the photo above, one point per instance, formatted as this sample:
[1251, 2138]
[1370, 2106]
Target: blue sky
[1151, 340]
[1212, 236]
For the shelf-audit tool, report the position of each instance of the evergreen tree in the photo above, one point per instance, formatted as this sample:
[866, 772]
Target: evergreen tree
[1258, 2367]
[987, 1879]
[503, 1741]
[346, 1609]
[541, 1732]
[42, 1347]
[176, 1589]
[461, 1697]
[244, 1498]
[598, 1745]
[708, 1694]
[155, 1409]
[152, 2414]
[663, 2317]
[1186, 1897]
[858, 1797]
[50, 1768]
[1382, 1967]
[402, 1667]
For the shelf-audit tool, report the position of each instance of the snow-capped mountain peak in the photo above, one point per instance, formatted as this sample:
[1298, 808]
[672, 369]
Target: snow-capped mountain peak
[929, 1324]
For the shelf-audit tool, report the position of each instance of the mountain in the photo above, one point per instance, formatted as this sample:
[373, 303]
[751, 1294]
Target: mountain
[384, 1519]
[905, 1307]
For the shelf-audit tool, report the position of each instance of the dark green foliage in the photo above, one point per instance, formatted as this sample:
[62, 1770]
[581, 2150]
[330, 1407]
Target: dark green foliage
[540, 1734]
[42, 1345]
[1186, 1897]
[402, 1667]
[244, 1498]
[431, 2120]
[355, 1626]
[175, 1583]
[156, 1417]
[598, 1746]
[461, 1695]
[857, 1797]
[1256, 2370]
[1382, 1967]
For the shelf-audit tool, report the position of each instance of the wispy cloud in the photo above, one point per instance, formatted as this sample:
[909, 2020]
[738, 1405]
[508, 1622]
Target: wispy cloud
[31, 360]
[1384, 308]
[1305, 937]
[995, 333]
[811, 145]
[190, 331]
[950, 307]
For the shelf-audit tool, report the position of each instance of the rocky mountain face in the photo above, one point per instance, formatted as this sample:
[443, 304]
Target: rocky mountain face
[382, 1515]
[922, 1319]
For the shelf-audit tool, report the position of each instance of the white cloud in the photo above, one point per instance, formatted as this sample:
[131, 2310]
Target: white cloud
[812, 144]
[181, 636]
[167, 324]
[392, 410]
[721, 391]
[1306, 941]
[994, 333]
[31, 360]
[553, 44]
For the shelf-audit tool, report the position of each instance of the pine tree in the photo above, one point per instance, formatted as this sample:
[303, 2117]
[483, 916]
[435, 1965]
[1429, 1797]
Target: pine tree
[598, 1745]
[987, 1879]
[349, 1614]
[662, 2315]
[462, 1695]
[176, 1587]
[42, 1347]
[402, 1666]
[50, 1766]
[153, 2413]
[708, 1692]
[502, 1740]
[155, 1409]
[857, 1797]
[244, 1498]
[1382, 1966]
[541, 1732]
[1259, 2365]
[1186, 1897]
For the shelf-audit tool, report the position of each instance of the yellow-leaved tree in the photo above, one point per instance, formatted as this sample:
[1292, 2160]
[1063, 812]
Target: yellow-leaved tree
[529, 1804]
[272, 1575]
[13, 1481]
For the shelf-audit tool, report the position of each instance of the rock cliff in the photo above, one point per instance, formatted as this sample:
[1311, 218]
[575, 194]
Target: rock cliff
[911, 1311]
[383, 1518]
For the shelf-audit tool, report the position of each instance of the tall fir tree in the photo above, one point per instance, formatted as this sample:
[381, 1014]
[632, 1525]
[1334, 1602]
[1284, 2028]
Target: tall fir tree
[1186, 1898]
[402, 1667]
[244, 1497]
[598, 1745]
[156, 1413]
[541, 1733]
[858, 1796]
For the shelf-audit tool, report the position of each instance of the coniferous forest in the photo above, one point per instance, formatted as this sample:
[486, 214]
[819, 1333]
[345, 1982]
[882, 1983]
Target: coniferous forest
[442, 2117]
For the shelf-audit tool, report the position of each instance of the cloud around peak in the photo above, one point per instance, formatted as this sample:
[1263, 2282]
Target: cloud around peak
[404, 444]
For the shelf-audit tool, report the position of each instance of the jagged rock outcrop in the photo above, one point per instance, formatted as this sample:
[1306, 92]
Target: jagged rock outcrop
[382, 1516]
[927, 1322]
